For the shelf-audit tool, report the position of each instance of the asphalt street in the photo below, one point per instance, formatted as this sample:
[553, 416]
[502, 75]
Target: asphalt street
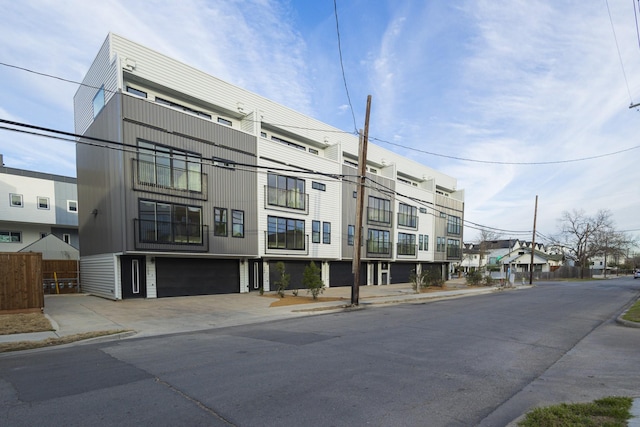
[482, 360]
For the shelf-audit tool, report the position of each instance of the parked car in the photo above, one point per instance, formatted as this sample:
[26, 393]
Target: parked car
[636, 275]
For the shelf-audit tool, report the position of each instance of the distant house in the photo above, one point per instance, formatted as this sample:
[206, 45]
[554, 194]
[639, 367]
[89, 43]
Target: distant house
[53, 248]
[509, 255]
[34, 205]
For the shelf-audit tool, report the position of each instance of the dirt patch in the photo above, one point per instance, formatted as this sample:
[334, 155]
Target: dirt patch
[24, 323]
[291, 300]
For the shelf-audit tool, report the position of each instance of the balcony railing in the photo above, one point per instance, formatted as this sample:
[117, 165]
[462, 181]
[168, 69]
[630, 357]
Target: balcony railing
[379, 249]
[406, 250]
[154, 178]
[407, 221]
[378, 216]
[170, 236]
[454, 253]
[281, 244]
[287, 200]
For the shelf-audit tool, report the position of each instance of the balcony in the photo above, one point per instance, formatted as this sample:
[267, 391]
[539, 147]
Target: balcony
[407, 221]
[405, 250]
[286, 200]
[171, 237]
[154, 178]
[293, 244]
[379, 249]
[378, 216]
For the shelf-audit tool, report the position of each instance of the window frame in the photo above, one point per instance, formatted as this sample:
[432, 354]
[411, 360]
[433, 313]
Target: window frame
[10, 236]
[376, 211]
[407, 216]
[164, 166]
[318, 186]
[315, 231]
[407, 242]
[326, 233]
[237, 223]
[286, 233]
[351, 235]
[48, 204]
[18, 202]
[382, 245]
[286, 191]
[73, 203]
[173, 223]
[220, 219]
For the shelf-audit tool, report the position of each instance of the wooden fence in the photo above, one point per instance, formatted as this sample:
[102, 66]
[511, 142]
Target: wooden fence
[21, 282]
[60, 276]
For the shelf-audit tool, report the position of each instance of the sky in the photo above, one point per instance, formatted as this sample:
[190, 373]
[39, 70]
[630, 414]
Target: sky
[513, 98]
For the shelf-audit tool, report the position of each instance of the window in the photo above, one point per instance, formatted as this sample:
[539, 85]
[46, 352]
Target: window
[10, 236]
[167, 167]
[219, 222]
[263, 134]
[406, 244]
[378, 242]
[404, 181]
[355, 194]
[98, 101]
[423, 210]
[443, 215]
[313, 151]
[43, 203]
[379, 210]
[407, 216]
[424, 242]
[15, 200]
[237, 223]
[351, 232]
[288, 143]
[350, 163]
[440, 244]
[182, 108]
[326, 233]
[285, 233]
[318, 186]
[223, 163]
[136, 92]
[43, 235]
[224, 121]
[315, 232]
[286, 191]
[72, 206]
[453, 248]
[453, 225]
[167, 223]
[66, 238]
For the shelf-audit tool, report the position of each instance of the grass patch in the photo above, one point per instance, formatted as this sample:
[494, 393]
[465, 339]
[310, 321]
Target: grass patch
[29, 345]
[24, 323]
[608, 411]
[633, 314]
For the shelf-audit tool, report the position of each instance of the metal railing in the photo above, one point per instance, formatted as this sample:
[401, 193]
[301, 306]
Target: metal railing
[155, 178]
[170, 236]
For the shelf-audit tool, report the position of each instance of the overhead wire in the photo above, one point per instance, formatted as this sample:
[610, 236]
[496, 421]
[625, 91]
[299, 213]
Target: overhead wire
[619, 54]
[344, 77]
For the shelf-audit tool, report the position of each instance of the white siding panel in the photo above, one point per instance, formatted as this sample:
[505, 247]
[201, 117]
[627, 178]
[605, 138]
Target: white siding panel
[30, 189]
[98, 275]
[152, 291]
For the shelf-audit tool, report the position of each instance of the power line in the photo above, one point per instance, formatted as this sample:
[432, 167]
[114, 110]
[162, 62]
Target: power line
[635, 15]
[344, 78]
[619, 54]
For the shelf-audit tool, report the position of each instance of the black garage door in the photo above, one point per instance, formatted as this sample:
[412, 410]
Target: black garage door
[188, 276]
[401, 272]
[294, 269]
[340, 274]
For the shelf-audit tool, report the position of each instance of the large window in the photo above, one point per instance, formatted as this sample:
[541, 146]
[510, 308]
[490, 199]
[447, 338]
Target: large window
[440, 244]
[407, 216]
[326, 232]
[168, 223]
[453, 248]
[378, 242]
[423, 245]
[10, 236]
[237, 223]
[453, 225]
[379, 210]
[406, 244]
[315, 232]
[220, 222]
[286, 191]
[285, 233]
[167, 167]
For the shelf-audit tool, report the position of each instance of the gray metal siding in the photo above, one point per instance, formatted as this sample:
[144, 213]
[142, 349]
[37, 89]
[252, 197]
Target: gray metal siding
[101, 185]
[227, 188]
[98, 275]
[65, 191]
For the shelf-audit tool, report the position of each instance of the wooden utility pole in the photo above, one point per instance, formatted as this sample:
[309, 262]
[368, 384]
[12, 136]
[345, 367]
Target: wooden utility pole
[362, 173]
[533, 241]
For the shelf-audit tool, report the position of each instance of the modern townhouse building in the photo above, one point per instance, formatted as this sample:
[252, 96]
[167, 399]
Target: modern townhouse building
[189, 185]
[35, 205]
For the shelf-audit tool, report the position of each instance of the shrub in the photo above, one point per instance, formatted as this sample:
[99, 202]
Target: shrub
[433, 278]
[474, 278]
[283, 282]
[487, 280]
[312, 281]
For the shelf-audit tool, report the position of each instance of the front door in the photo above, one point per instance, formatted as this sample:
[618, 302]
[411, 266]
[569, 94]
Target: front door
[133, 272]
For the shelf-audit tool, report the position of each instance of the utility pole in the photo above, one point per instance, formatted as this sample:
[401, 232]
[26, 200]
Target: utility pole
[533, 241]
[362, 173]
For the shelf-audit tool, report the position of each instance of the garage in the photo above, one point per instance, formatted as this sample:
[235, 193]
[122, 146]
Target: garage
[196, 276]
[401, 272]
[340, 274]
[295, 270]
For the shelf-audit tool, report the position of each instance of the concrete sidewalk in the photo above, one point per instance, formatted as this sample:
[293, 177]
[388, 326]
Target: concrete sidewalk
[78, 313]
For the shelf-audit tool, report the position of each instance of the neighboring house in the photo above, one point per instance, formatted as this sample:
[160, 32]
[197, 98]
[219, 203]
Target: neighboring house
[508, 255]
[53, 248]
[35, 205]
[194, 186]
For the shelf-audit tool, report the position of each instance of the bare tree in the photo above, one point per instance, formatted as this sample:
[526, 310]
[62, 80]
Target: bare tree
[580, 235]
[612, 244]
[485, 239]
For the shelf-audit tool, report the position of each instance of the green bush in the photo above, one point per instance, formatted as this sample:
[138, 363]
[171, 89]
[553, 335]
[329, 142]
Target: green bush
[487, 280]
[312, 280]
[425, 279]
[474, 278]
[283, 282]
